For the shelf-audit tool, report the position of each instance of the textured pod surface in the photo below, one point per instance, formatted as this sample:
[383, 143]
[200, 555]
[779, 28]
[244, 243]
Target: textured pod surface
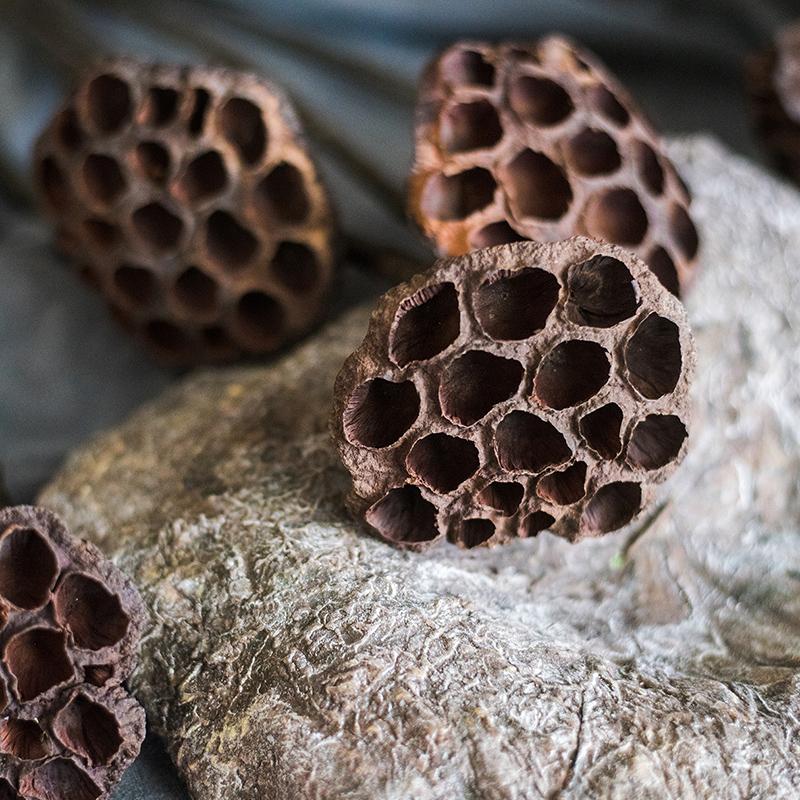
[773, 84]
[70, 630]
[187, 196]
[519, 388]
[541, 142]
[291, 656]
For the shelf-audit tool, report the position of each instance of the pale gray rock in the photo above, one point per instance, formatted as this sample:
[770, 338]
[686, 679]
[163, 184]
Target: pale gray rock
[292, 656]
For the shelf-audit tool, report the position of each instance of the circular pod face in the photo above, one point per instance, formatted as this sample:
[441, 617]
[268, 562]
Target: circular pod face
[69, 631]
[515, 389]
[187, 197]
[541, 142]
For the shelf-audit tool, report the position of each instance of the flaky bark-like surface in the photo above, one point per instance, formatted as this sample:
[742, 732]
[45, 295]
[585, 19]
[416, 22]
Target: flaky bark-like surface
[523, 387]
[293, 656]
[187, 196]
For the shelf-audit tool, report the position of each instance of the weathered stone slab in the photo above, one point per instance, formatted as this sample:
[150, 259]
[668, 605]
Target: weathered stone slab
[294, 657]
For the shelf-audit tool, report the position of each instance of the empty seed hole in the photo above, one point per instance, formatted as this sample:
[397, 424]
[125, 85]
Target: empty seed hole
[54, 184]
[684, 232]
[653, 357]
[159, 107]
[426, 323]
[650, 169]
[98, 674]
[38, 659]
[535, 523]
[196, 291]
[470, 126]
[242, 125]
[474, 532]
[260, 319]
[502, 496]
[165, 337]
[158, 228]
[601, 430]
[466, 67]
[28, 568]
[564, 488]
[404, 516]
[23, 739]
[607, 105]
[216, 339]
[617, 216]
[663, 266]
[539, 100]
[230, 244]
[476, 382]
[204, 177]
[69, 130]
[109, 103]
[137, 284]
[571, 373]
[101, 233]
[379, 412]
[197, 118]
[454, 197]
[593, 152]
[612, 506]
[656, 441]
[282, 195]
[602, 292]
[58, 779]
[494, 234]
[516, 305]
[536, 186]
[88, 729]
[152, 162]
[524, 442]
[295, 266]
[90, 612]
[103, 178]
[443, 462]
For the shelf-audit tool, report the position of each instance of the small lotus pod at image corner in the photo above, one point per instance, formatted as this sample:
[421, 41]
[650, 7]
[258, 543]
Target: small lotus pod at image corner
[514, 389]
[187, 196]
[540, 142]
[71, 623]
[773, 87]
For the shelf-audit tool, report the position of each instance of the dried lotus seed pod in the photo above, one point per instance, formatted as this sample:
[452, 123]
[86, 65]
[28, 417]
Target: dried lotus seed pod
[541, 142]
[188, 197]
[70, 632]
[773, 83]
[517, 388]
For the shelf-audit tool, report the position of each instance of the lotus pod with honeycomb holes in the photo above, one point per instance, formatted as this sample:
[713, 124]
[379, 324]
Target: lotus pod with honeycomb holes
[187, 195]
[541, 142]
[71, 624]
[773, 83]
[517, 388]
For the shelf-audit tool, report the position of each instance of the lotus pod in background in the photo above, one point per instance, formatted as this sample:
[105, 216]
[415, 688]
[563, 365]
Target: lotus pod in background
[540, 142]
[188, 197]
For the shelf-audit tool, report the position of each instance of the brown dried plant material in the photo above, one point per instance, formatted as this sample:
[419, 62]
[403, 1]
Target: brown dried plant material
[70, 629]
[541, 142]
[188, 197]
[773, 84]
[518, 388]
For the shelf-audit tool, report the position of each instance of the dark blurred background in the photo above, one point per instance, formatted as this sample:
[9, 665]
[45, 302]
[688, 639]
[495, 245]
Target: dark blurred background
[351, 66]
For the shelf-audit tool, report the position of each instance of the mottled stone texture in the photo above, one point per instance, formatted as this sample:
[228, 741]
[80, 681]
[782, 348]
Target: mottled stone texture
[295, 657]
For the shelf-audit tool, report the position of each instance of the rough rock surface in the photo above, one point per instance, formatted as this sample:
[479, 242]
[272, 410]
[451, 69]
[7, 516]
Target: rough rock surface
[293, 656]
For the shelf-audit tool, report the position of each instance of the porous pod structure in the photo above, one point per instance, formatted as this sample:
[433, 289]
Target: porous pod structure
[541, 142]
[187, 196]
[70, 629]
[518, 388]
[773, 82]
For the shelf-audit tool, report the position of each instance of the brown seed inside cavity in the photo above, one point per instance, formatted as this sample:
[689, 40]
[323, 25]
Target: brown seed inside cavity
[602, 292]
[571, 373]
[455, 197]
[617, 216]
[540, 101]
[653, 357]
[613, 506]
[593, 152]
[380, 411]
[537, 187]
[93, 614]
[601, 430]
[656, 441]
[527, 443]
[470, 126]
[494, 234]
